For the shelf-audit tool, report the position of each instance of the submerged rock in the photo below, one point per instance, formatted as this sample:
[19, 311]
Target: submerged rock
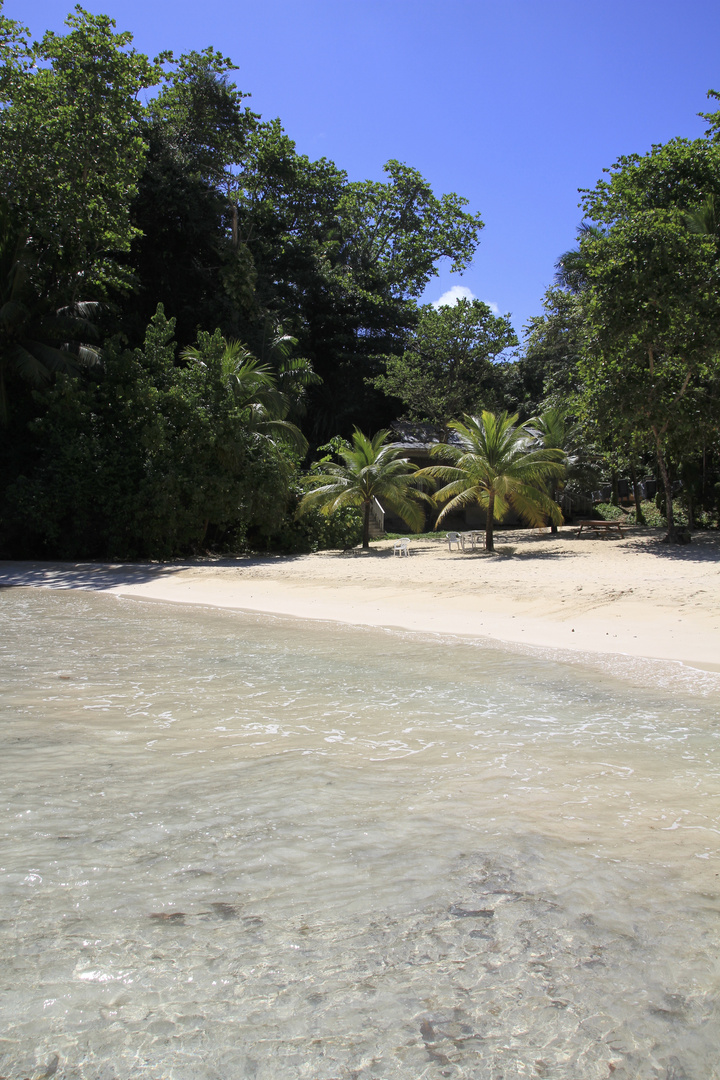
[477, 913]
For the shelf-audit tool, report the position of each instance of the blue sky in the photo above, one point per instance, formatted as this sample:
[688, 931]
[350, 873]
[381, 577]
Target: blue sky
[514, 105]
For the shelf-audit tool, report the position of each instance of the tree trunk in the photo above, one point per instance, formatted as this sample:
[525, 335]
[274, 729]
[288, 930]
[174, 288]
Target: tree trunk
[639, 516]
[553, 526]
[671, 533]
[489, 545]
[615, 497]
[366, 526]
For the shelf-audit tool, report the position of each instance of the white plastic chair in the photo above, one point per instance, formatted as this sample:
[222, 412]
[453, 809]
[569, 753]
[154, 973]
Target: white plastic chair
[400, 547]
[454, 538]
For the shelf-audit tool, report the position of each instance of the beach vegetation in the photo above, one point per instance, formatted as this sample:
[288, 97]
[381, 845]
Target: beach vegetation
[368, 469]
[314, 530]
[449, 365]
[149, 460]
[284, 280]
[557, 427]
[72, 153]
[496, 463]
[36, 340]
[650, 363]
[189, 308]
[265, 396]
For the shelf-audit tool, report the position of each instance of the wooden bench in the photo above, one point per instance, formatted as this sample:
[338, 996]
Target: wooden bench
[602, 528]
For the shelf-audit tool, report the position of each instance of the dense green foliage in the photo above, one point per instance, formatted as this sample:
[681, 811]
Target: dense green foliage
[188, 307]
[448, 366]
[650, 365]
[497, 464]
[71, 153]
[149, 461]
[368, 469]
[284, 282]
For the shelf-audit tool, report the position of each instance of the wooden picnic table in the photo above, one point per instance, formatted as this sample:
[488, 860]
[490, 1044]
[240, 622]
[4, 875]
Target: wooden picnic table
[602, 527]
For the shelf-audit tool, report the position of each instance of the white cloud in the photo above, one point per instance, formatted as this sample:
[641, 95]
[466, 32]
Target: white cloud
[461, 292]
[451, 297]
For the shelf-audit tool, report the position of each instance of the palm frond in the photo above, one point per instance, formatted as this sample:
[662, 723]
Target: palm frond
[465, 498]
[372, 468]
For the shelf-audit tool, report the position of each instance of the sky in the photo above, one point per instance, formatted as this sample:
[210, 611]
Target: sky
[513, 105]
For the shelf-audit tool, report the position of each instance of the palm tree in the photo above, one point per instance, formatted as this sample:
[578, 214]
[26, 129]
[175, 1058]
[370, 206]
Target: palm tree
[265, 395]
[704, 221]
[556, 431]
[571, 269]
[370, 469]
[294, 373]
[496, 465]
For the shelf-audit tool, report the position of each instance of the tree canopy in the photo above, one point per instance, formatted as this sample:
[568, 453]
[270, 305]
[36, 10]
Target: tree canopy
[652, 335]
[497, 464]
[71, 150]
[188, 305]
[447, 368]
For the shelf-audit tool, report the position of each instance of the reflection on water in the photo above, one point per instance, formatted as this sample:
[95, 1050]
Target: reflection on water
[243, 847]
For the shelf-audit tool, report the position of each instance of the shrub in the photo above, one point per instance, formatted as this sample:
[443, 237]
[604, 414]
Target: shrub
[316, 531]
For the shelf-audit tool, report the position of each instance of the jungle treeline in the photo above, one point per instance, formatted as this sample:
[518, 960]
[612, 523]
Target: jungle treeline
[192, 312]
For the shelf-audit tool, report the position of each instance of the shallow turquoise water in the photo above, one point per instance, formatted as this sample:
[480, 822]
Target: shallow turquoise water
[237, 846]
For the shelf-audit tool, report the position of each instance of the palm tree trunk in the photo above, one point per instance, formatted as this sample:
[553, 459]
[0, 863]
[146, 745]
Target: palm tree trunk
[489, 545]
[366, 525]
[553, 526]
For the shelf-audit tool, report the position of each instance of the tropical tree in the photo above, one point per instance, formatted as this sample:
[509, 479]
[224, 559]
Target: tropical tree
[150, 460]
[557, 429]
[496, 463]
[370, 469]
[448, 366]
[71, 152]
[265, 396]
[341, 264]
[189, 253]
[37, 340]
[571, 269]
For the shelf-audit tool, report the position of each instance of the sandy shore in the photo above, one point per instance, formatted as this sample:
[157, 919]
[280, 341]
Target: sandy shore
[634, 596]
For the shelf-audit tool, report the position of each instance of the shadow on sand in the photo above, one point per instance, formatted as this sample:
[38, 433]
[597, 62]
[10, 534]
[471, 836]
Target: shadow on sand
[704, 547]
[101, 576]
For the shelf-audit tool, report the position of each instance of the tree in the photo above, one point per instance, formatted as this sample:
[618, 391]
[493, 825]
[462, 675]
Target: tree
[394, 234]
[265, 397]
[571, 269]
[36, 341]
[150, 460]
[340, 265]
[653, 329]
[557, 429]
[370, 469]
[496, 465]
[447, 367]
[71, 151]
[187, 252]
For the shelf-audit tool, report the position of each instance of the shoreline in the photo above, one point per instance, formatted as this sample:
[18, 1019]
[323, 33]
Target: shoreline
[634, 597]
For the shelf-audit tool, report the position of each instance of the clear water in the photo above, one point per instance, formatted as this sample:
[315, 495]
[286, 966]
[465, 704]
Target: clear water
[243, 847]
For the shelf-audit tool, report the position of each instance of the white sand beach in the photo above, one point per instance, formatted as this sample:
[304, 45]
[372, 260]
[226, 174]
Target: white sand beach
[635, 596]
